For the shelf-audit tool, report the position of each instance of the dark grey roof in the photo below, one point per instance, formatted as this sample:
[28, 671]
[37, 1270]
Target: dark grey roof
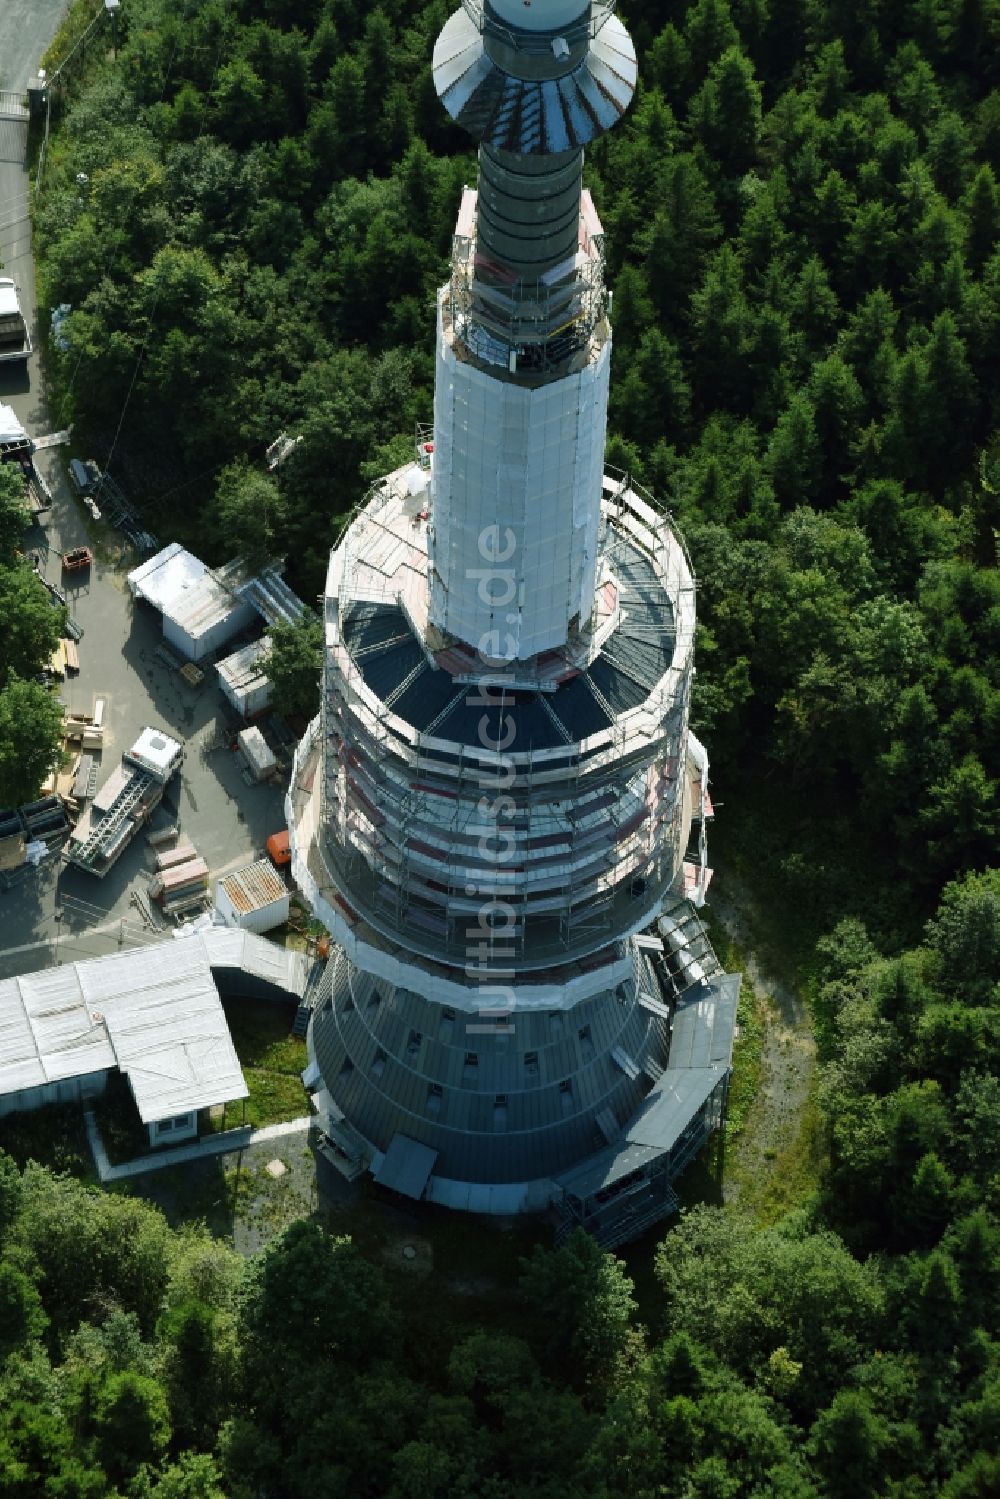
[705, 1024]
[406, 1167]
[529, 1103]
[630, 663]
[701, 1050]
[659, 1124]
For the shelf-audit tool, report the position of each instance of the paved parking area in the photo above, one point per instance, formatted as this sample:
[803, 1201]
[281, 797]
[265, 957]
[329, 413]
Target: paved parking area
[63, 913]
[55, 914]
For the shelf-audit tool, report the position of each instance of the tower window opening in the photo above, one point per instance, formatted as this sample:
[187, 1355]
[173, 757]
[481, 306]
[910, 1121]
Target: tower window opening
[531, 1064]
[347, 1068]
[378, 1065]
[435, 1093]
[413, 1044]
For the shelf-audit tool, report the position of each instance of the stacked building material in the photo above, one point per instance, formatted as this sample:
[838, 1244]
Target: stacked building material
[180, 884]
[181, 853]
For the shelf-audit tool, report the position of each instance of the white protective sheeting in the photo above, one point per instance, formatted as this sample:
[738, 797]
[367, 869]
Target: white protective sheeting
[531, 463]
[199, 613]
[166, 1023]
[232, 948]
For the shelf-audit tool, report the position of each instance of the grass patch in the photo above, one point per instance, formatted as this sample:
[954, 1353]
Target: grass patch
[274, 1098]
[793, 1172]
[261, 1032]
[272, 1060]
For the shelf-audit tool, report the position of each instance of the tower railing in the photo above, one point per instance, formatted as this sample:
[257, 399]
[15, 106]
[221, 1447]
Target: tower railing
[540, 42]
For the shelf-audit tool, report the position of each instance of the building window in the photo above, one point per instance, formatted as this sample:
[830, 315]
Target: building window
[447, 1026]
[531, 1064]
[434, 1096]
[378, 1065]
[347, 1068]
[471, 1059]
[413, 1044]
[500, 1111]
[566, 1096]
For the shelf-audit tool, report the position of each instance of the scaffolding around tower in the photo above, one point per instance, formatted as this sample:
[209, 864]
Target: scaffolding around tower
[501, 796]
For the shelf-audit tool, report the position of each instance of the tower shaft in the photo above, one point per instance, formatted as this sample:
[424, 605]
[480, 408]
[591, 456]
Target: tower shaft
[523, 349]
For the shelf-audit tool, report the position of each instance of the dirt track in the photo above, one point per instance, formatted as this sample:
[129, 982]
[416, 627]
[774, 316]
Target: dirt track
[772, 1138]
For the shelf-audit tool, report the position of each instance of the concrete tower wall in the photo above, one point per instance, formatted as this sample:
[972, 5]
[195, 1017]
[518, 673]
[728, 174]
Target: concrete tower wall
[529, 462]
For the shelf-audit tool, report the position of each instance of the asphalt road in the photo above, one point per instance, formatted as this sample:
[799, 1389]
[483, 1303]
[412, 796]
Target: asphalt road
[56, 914]
[26, 28]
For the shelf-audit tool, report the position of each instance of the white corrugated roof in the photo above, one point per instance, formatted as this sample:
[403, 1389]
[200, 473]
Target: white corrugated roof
[246, 666]
[46, 1031]
[184, 590]
[167, 1026]
[154, 1012]
[164, 579]
[230, 947]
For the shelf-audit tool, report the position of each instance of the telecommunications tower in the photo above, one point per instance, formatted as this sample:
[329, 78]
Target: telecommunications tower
[499, 811]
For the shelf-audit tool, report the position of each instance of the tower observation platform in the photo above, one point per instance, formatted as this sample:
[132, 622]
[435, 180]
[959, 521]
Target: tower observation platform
[499, 812]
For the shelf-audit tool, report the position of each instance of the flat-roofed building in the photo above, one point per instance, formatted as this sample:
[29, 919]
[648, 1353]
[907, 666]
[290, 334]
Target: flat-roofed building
[152, 1013]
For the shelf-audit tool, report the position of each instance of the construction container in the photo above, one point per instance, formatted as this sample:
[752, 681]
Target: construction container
[257, 754]
[243, 678]
[254, 899]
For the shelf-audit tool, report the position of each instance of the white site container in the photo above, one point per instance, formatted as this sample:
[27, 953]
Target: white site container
[255, 899]
[258, 757]
[243, 678]
[200, 613]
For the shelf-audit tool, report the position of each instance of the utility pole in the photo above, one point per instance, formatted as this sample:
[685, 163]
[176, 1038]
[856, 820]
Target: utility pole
[112, 7]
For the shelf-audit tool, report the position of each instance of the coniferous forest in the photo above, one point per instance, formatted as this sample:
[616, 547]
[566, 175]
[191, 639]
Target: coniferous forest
[249, 210]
